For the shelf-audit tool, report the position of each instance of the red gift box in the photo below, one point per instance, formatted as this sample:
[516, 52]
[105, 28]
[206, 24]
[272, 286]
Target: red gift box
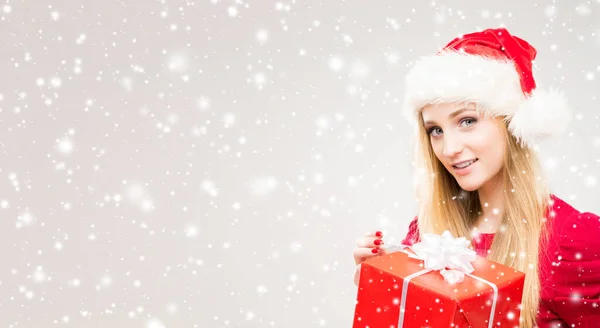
[390, 282]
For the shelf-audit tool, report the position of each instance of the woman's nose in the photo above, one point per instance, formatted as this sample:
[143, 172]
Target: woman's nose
[453, 145]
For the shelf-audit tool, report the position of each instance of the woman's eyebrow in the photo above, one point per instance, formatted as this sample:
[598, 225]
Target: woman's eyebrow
[453, 114]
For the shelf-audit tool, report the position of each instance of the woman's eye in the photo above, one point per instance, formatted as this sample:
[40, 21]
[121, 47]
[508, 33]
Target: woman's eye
[434, 131]
[468, 121]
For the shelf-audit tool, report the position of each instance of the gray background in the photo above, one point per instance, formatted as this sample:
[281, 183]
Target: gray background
[211, 163]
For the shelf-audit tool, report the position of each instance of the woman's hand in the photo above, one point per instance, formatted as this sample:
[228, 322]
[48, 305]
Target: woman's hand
[366, 248]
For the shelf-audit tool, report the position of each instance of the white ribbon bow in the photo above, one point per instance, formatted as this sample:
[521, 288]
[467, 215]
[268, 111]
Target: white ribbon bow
[446, 254]
[450, 256]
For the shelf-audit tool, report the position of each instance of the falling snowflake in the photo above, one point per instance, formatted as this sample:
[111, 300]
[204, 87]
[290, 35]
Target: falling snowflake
[261, 289]
[590, 181]
[232, 11]
[65, 145]
[25, 219]
[178, 62]
[262, 36]
[191, 231]
[39, 275]
[203, 103]
[336, 63]
[550, 11]
[583, 9]
[229, 120]
[154, 323]
[210, 188]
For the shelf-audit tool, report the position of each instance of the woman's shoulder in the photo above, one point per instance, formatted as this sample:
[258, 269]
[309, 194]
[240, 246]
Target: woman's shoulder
[575, 263]
[570, 224]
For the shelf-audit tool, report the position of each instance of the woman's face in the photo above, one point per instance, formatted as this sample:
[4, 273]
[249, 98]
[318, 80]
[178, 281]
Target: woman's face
[470, 146]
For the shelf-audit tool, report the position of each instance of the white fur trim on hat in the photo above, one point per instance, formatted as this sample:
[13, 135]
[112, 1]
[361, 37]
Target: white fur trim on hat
[544, 114]
[491, 83]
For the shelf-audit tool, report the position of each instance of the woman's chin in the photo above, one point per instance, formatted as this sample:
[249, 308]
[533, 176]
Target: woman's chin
[469, 189]
[468, 185]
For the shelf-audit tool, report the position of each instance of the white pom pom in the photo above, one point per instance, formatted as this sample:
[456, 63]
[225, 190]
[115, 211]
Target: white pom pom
[544, 114]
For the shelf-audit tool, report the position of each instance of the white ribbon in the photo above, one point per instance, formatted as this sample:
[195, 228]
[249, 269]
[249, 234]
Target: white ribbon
[446, 254]
[450, 256]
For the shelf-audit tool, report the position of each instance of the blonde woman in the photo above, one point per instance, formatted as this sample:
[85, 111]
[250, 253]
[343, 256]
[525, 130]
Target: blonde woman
[477, 113]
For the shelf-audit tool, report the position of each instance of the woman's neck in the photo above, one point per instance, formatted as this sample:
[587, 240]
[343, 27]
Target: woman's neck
[491, 196]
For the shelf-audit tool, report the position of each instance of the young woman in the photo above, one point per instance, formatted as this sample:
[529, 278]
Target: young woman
[477, 114]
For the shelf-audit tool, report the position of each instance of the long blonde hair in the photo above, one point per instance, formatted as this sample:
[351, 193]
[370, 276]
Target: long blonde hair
[443, 205]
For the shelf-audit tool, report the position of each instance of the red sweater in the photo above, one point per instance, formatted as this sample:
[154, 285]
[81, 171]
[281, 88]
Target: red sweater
[569, 267]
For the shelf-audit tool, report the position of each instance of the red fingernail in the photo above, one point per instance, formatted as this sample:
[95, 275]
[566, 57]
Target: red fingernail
[375, 250]
[379, 234]
[378, 242]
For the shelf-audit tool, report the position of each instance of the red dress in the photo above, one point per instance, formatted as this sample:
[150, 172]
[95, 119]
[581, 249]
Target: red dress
[569, 267]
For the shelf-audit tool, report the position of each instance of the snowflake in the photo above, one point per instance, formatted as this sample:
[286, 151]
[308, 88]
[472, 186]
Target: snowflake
[336, 63]
[583, 10]
[590, 181]
[550, 11]
[232, 11]
[154, 323]
[262, 36]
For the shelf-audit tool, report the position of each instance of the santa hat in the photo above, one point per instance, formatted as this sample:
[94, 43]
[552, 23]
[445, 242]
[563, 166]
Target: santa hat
[493, 69]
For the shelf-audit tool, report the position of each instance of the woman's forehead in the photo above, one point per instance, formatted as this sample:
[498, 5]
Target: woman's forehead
[443, 109]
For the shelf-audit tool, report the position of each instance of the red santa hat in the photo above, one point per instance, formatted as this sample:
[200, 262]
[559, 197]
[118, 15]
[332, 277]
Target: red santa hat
[493, 69]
